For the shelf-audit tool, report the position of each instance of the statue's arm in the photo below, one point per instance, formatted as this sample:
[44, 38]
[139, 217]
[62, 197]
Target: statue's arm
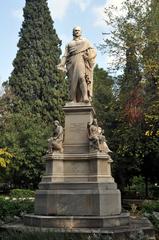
[90, 54]
[59, 132]
[61, 65]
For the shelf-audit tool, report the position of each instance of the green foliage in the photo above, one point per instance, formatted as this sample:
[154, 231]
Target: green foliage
[150, 209]
[33, 96]
[126, 35]
[155, 223]
[22, 193]
[151, 71]
[134, 44]
[137, 189]
[26, 137]
[128, 152]
[150, 206]
[139, 235]
[35, 81]
[104, 99]
[5, 157]
[14, 207]
[48, 235]
[138, 185]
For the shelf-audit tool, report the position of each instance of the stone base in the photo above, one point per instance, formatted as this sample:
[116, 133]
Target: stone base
[70, 222]
[133, 230]
[78, 199]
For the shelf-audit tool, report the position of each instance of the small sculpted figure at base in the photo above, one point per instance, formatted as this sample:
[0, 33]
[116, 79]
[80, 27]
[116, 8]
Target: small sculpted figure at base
[55, 143]
[97, 140]
[79, 59]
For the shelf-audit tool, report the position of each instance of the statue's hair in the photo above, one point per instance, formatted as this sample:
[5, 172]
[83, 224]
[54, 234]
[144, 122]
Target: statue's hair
[56, 121]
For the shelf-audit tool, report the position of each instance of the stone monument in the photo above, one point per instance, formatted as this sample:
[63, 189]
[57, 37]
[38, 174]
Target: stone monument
[77, 189]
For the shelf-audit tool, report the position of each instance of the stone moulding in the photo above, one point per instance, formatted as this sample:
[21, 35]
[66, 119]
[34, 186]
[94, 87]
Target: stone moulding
[77, 187]
[65, 156]
[71, 222]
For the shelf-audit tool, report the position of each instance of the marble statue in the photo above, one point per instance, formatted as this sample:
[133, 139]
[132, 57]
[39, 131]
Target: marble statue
[55, 143]
[79, 59]
[97, 140]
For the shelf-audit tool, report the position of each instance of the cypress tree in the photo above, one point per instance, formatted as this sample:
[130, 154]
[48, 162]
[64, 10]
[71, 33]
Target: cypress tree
[35, 81]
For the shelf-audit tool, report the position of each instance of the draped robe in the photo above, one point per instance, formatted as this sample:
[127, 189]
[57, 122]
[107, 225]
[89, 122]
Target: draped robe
[80, 60]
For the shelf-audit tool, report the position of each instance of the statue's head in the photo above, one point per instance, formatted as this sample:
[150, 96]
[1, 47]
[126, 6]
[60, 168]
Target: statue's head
[56, 122]
[77, 31]
[95, 122]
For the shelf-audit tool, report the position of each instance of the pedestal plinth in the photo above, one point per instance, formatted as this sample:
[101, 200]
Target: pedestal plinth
[77, 185]
[77, 117]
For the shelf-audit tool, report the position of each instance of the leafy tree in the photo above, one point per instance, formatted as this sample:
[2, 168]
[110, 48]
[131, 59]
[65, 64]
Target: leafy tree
[104, 99]
[26, 138]
[134, 42]
[5, 157]
[151, 59]
[151, 72]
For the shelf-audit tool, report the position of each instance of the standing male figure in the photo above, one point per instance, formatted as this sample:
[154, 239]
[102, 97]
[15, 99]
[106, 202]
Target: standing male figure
[79, 58]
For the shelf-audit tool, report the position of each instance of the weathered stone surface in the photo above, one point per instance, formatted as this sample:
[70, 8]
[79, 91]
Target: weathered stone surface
[79, 59]
[89, 199]
[134, 230]
[88, 167]
[70, 222]
[78, 182]
[77, 117]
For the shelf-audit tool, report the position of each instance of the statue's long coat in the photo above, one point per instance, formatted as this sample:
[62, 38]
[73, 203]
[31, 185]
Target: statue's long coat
[78, 67]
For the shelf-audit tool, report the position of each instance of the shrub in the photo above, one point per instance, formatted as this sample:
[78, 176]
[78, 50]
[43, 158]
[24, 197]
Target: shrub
[136, 189]
[39, 235]
[10, 207]
[150, 206]
[12, 235]
[22, 193]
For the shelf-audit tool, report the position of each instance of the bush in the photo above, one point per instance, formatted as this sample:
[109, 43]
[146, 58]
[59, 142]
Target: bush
[39, 235]
[136, 189]
[150, 206]
[5, 188]
[12, 235]
[22, 193]
[15, 207]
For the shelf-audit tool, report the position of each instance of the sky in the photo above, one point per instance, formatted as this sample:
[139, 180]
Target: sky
[66, 14]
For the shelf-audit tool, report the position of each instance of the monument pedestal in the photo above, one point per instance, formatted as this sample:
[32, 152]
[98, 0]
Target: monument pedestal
[77, 189]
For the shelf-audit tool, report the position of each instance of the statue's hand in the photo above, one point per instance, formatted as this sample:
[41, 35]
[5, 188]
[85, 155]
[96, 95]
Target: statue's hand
[85, 56]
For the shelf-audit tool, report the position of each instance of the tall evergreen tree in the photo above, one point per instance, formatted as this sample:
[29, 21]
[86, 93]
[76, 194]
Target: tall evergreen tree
[35, 81]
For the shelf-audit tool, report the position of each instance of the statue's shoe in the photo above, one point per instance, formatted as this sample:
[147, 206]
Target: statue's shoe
[86, 100]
